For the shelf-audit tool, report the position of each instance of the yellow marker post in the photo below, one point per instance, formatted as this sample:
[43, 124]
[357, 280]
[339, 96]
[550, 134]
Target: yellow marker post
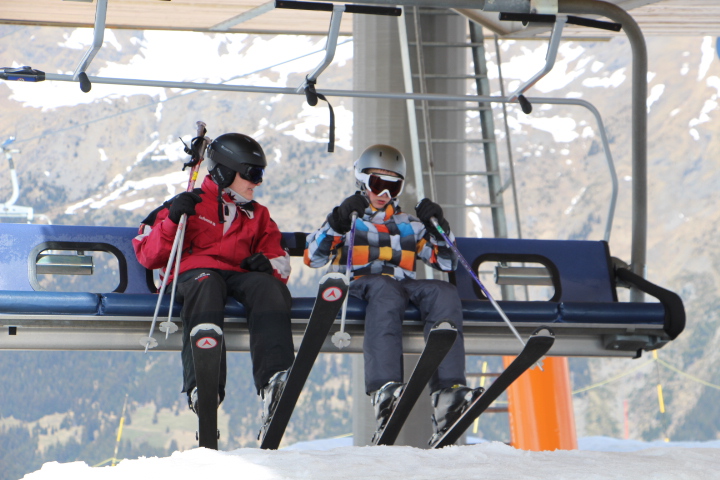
[120, 428]
[661, 401]
[476, 423]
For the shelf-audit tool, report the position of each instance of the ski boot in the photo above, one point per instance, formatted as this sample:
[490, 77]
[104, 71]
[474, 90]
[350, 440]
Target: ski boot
[448, 404]
[193, 400]
[384, 401]
[270, 394]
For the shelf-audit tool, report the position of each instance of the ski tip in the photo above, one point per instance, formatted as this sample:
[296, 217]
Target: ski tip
[543, 332]
[335, 276]
[444, 325]
[206, 326]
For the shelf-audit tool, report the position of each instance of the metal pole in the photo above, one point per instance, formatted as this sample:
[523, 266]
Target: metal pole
[638, 254]
[98, 36]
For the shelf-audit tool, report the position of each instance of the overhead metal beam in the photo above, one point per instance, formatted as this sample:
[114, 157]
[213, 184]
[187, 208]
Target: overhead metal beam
[514, 6]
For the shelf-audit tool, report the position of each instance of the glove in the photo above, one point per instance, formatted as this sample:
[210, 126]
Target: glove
[427, 209]
[257, 263]
[183, 203]
[339, 218]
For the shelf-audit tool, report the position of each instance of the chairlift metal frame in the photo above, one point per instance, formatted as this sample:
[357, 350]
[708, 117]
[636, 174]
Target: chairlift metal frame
[639, 114]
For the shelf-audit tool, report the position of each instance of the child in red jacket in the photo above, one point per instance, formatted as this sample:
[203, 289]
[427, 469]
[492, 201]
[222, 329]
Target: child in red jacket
[231, 247]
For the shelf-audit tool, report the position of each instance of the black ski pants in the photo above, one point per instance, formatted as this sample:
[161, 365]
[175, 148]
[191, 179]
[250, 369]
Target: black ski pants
[203, 292]
[382, 348]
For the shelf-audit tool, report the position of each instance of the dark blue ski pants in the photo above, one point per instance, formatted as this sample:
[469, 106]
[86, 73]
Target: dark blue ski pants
[387, 299]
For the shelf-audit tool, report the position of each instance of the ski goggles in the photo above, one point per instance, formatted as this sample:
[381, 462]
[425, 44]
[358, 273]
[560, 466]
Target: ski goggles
[382, 184]
[251, 173]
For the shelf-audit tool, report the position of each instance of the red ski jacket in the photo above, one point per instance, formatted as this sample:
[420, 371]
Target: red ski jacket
[209, 243]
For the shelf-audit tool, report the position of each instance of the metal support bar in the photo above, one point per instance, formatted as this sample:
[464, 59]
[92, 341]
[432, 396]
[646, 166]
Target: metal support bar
[571, 20]
[243, 17]
[8, 209]
[424, 104]
[487, 125]
[381, 95]
[328, 7]
[411, 107]
[412, 117]
[64, 264]
[518, 6]
[639, 125]
[555, 38]
[13, 174]
[523, 276]
[330, 47]
[98, 36]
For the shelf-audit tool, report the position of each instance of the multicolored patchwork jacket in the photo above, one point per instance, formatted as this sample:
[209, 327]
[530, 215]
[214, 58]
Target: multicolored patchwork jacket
[387, 242]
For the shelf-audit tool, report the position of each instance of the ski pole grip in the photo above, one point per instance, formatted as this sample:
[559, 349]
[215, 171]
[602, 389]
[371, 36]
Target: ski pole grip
[436, 224]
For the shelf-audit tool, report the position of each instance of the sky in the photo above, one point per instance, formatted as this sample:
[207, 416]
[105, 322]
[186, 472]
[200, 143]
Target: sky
[598, 458]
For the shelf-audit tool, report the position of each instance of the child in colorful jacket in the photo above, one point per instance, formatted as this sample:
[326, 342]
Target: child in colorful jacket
[386, 245]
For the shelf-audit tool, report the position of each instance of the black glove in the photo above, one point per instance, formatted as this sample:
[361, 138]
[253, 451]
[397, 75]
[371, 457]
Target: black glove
[427, 209]
[257, 263]
[339, 218]
[183, 203]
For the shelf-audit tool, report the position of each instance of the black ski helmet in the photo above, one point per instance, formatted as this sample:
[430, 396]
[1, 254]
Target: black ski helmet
[230, 153]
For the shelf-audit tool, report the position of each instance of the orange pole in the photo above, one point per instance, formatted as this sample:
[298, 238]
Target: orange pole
[540, 408]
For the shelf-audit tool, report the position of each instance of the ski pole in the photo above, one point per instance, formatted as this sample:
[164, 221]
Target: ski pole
[341, 338]
[197, 151]
[169, 326]
[475, 277]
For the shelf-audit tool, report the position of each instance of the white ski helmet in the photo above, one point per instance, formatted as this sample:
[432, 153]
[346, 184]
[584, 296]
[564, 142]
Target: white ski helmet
[382, 157]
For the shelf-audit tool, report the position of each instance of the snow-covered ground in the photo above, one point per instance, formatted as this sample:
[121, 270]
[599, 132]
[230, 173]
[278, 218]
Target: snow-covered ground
[597, 458]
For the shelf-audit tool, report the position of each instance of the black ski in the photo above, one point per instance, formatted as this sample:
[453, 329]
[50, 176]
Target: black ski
[439, 342]
[537, 346]
[331, 294]
[207, 342]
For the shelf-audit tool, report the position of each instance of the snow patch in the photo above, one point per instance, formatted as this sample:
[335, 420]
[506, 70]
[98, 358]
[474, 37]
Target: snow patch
[655, 93]
[170, 181]
[561, 128]
[707, 49]
[317, 118]
[613, 81]
[82, 39]
[704, 116]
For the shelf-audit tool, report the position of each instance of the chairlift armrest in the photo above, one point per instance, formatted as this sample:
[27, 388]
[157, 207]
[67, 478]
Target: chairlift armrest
[674, 309]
